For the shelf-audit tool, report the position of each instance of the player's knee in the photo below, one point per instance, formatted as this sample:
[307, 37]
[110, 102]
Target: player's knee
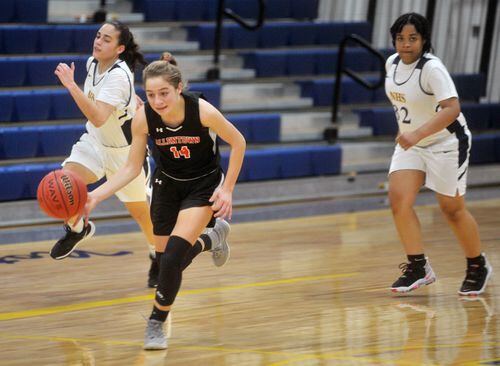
[176, 251]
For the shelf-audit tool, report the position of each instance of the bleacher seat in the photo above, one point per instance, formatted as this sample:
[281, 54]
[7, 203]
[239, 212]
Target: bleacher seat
[56, 39]
[20, 39]
[33, 105]
[6, 106]
[63, 105]
[57, 140]
[159, 10]
[470, 86]
[31, 11]
[300, 62]
[477, 116]
[190, 10]
[273, 35]
[12, 71]
[7, 11]
[329, 33]
[18, 142]
[258, 127]
[239, 37]
[282, 163]
[12, 182]
[304, 9]
[483, 149]
[302, 34]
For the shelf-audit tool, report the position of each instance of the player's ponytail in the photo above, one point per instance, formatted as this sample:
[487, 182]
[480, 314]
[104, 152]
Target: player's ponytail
[131, 55]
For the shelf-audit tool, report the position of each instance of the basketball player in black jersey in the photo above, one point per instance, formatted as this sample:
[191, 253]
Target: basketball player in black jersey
[189, 187]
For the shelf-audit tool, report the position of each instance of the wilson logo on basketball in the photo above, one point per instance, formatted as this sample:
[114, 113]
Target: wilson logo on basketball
[69, 189]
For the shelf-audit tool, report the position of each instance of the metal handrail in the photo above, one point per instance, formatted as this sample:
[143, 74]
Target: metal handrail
[330, 133]
[214, 72]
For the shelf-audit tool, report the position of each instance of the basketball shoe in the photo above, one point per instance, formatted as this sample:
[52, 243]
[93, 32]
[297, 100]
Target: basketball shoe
[414, 275]
[154, 337]
[154, 271]
[66, 245]
[476, 278]
[221, 251]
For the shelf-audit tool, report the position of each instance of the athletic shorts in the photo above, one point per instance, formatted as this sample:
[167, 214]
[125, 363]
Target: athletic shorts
[170, 196]
[104, 162]
[444, 163]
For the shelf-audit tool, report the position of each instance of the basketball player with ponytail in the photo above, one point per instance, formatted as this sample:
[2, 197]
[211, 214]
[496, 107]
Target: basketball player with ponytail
[432, 149]
[108, 101]
[189, 187]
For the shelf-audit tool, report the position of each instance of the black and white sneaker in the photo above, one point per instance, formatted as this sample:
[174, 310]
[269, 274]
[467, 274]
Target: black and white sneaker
[154, 271]
[414, 276]
[476, 278]
[66, 245]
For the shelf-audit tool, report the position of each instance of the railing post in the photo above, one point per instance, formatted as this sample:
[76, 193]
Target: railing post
[330, 134]
[214, 72]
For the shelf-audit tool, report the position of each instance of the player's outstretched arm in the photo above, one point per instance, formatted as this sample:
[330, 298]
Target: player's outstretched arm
[129, 170]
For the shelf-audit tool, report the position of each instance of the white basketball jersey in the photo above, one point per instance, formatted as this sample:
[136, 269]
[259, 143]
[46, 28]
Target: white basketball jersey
[415, 91]
[115, 87]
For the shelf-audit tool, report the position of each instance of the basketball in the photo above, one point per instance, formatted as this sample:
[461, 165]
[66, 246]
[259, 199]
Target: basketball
[61, 194]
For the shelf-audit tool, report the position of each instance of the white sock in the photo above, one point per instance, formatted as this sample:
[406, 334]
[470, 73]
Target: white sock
[77, 227]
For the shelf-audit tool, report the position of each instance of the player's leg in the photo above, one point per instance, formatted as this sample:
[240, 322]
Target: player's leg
[466, 230]
[86, 164]
[404, 186]
[190, 224]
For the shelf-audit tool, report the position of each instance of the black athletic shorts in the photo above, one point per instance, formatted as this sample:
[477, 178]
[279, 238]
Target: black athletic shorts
[171, 196]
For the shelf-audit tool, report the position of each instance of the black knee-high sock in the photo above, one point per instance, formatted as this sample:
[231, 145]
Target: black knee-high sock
[170, 277]
[203, 244]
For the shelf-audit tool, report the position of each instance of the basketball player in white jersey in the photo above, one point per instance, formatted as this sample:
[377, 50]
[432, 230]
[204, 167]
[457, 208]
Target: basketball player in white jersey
[109, 102]
[432, 150]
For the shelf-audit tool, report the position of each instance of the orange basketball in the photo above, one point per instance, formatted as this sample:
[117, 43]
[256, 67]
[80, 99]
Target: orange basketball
[61, 194]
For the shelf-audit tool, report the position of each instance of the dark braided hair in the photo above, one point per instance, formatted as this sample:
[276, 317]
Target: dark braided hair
[131, 55]
[421, 25]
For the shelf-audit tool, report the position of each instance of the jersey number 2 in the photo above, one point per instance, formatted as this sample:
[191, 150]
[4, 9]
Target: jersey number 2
[402, 113]
[184, 152]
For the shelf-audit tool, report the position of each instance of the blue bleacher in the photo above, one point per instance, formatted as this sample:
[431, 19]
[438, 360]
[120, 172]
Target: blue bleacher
[258, 127]
[23, 11]
[278, 34]
[47, 38]
[57, 104]
[196, 10]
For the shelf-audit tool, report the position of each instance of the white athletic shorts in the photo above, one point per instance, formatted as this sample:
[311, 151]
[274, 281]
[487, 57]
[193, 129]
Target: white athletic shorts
[444, 163]
[104, 162]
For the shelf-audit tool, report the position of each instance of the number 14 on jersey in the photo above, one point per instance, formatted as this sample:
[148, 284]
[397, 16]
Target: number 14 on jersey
[184, 152]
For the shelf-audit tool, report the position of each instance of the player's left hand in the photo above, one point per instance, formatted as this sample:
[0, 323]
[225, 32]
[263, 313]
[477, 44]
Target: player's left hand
[222, 203]
[407, 139]
[66, 74]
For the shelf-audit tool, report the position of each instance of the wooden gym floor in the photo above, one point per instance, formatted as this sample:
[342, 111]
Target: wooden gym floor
[309, 291]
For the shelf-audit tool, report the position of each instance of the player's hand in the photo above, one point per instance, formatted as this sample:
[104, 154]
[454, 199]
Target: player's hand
[407, 139]
[65, 74]
[89, 206]
[138, 102]
[222, 203]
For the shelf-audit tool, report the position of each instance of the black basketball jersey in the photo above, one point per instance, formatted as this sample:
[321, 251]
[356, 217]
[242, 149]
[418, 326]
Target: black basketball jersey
[188, 151]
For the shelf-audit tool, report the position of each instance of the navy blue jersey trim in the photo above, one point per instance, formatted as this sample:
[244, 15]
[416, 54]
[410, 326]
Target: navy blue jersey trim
[463, 141]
